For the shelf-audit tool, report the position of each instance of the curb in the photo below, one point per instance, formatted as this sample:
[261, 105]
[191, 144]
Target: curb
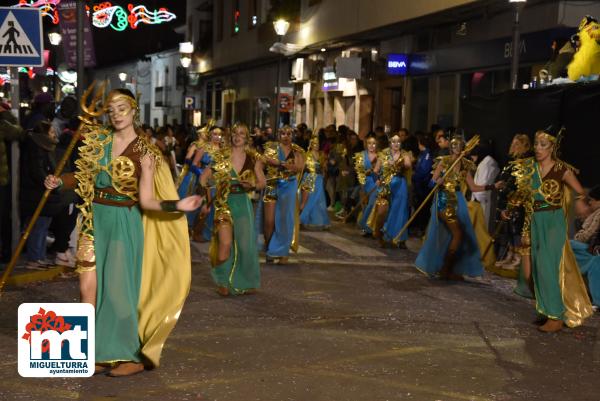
[34, 276]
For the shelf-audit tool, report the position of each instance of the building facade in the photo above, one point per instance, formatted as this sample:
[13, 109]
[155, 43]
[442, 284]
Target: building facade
[354, 62]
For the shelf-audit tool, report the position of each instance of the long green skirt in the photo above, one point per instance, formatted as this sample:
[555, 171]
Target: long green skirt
[119, 247]
[548, 237]
[241, 272]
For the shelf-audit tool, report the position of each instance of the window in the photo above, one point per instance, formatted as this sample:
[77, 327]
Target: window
[253, 8]
[235, 23]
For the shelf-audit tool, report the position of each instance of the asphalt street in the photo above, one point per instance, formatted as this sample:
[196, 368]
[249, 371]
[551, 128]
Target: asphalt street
[344, 321]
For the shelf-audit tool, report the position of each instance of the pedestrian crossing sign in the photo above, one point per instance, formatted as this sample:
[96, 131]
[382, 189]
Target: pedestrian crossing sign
[21, 37]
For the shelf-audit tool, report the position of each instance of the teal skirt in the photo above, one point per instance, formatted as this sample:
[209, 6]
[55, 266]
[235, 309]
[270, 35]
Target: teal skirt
[548, 237]
[241, 272]
[119, 247]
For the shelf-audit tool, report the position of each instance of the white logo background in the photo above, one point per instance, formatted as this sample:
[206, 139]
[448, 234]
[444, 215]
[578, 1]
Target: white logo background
[80, 364]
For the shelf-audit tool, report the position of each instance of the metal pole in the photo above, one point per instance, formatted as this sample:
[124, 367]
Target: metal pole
[278, 92]
[80, 49]
[183, 106]
[514, 70]
[15, 156]
[278, 88]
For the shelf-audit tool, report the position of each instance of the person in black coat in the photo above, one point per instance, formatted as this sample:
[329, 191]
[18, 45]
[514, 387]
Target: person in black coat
[38, 161]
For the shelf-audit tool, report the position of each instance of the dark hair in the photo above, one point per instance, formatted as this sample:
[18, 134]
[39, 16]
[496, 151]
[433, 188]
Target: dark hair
[424, 139]
[125, 91]
[371, 134]
[595, 193]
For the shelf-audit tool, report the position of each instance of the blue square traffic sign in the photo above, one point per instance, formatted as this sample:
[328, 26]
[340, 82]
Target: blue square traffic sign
[21, 37]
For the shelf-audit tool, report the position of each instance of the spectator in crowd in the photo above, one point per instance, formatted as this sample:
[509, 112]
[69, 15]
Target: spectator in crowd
[348, 184]
[486, 173]
[442, 139]
[259, 138]
[408, 142]
[9, 131]
[63, 222]
[42, 109]
[67, 110]
[420, 182]
[586, 243]
[382, 138]
[302, 138]
[37, 161]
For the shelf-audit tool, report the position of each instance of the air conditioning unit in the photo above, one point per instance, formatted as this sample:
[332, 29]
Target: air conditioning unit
[348, 67]
[300, 70]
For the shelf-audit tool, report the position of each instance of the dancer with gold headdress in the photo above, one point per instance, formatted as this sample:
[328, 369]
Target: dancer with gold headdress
[313, 207]
[279, 204]
[236, 171]
[391, 208]
[137, 282]
[364, 163]
[560, 292]
[450, 248]
[203, 222]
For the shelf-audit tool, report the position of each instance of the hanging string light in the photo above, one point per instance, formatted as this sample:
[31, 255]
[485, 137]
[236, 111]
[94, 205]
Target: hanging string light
[106, 14]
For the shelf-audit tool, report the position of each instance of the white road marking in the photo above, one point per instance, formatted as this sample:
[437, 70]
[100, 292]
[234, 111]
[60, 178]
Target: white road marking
[344, 245]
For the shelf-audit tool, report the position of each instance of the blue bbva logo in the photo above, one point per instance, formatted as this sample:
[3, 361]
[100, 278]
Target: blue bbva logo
[56, 340]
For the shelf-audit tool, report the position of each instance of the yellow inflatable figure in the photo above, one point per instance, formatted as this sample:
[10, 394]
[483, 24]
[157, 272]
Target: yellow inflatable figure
[587, 59]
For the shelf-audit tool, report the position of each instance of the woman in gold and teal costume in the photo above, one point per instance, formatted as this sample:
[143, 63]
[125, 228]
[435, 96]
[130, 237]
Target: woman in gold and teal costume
[133, 252]
[313, 208]
[279, 207]
[236, 171]
[211, 139]
[364, 163]
[391, 208]
[451, 248]
[560, 292]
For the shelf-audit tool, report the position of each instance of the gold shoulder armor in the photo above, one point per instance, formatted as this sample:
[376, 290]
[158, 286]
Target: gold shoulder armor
[145, 147]
[470, 166]
[298, 149]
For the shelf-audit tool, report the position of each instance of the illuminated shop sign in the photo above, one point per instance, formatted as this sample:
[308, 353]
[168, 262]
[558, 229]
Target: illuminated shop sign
[330, 81]
[397, 64]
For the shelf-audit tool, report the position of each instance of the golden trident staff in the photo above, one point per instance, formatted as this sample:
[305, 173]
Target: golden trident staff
[468, 147]
[361, 205]
[89, 113]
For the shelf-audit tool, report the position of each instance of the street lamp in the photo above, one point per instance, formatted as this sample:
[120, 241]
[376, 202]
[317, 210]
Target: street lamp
[54, 38]
[186, 50]
[281, 27]
[122, 78]
[514, 68]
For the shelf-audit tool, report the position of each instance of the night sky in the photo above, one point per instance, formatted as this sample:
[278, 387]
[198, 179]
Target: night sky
[114, 47]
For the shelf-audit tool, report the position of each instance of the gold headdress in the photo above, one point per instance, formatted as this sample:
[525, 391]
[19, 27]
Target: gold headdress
[552, 136]
[124, 94]
[457, 140]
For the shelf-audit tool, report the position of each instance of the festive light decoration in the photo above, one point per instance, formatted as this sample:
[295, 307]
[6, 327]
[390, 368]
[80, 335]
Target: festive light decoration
[105, 14]
[47, 7]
